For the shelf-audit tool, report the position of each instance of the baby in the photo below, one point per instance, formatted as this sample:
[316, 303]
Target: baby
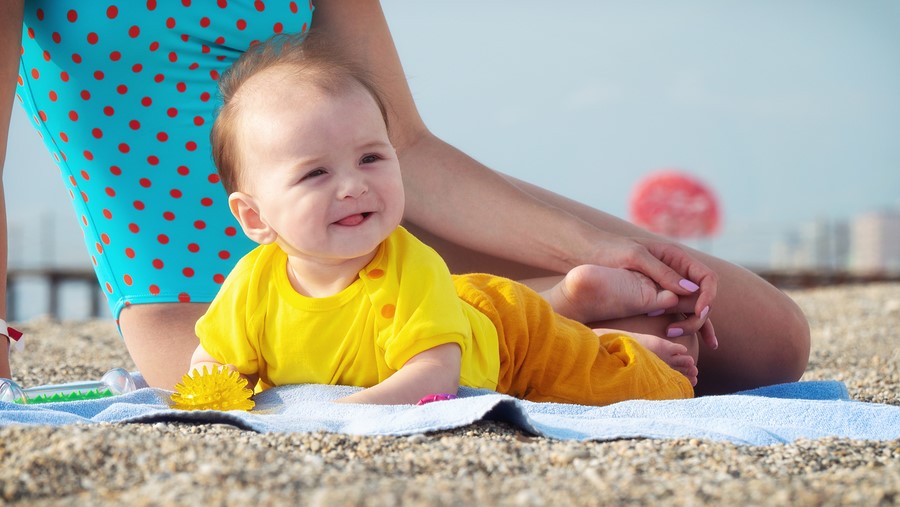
[339, 293]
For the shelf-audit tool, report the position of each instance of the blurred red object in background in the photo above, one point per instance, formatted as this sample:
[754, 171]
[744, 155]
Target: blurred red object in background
[675, 204]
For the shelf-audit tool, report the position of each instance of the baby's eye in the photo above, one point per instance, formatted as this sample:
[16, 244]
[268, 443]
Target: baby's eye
[312, 174]
[368, 159]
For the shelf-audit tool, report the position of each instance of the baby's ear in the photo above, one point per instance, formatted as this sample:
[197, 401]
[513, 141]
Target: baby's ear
[243, 207]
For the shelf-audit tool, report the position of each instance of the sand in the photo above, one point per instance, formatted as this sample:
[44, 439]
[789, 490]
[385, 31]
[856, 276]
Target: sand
[856, 339]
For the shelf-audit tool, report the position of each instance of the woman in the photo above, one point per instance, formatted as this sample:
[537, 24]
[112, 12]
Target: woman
[127, 103]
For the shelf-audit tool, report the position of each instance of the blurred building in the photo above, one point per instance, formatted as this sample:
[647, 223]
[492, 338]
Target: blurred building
[822, 245]
[876, 242]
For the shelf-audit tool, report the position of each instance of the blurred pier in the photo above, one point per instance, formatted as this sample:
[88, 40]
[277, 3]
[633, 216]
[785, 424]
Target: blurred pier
[54, 279]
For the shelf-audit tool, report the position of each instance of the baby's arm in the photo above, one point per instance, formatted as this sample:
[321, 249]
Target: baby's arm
[202, 358]
[435, 370]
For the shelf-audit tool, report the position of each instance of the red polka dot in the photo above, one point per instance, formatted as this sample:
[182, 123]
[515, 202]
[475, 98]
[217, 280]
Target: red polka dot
[97, 133]
[181, 87]
[375, 274]
[204, 21]
[122, 89]
[107, 214]
[64, 137]
[112, 12]
[241, 24]
[99, 247]
[172, 112]
[191, 146]
[134, 124]
[230, 231]
[294, 7]
[73, 116]
[84, 197]
[145, 182]
[136, 68]
[154, 46]
[127, 279]
[200, 224]
[116, 170]
[109, 288]
[213, 178]
[92, 38]
[72, 16]
[184, 297]
[124, 148]
[223, 3]
[85, 175]
[159, 78]
[220, 40]
[84, 220]
[76, 58]
[52, 96]
[138, 205]
[168, 215]
[146, 101]
[134, 228]
[109, 111]
[198, 120]
[104, 238]
[46, 56]
[98, 75]
[158, 263]
[152, 160]
[183, 170]
[88, 155]
[224, 255]
[188, 272]
[388, 311]
[64, 76]
[163, 239]
[56, 37]
[186, 3]
[110, 192]
[260, 6]
[175, 193]
[205, 96]
[35, 74]
[40, 14]
[219, 278]
[151, 5]
[154, 289]
[134, 31]
[278, 28]
[129, 252]
[115, 56]
[205, 49]
[193, 248]
[173, 57]
[194, 66]
[206, 201]
[170, 23]
[162, 137]
[72, 181]
[43, 116]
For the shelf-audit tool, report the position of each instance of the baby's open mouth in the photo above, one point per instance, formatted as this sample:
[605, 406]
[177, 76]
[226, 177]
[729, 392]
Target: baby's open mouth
[354, 219]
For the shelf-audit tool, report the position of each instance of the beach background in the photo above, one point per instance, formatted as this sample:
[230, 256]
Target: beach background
[855, 339]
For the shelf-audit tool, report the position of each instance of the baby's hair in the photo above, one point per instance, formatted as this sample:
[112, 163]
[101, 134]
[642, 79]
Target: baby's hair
[301, 56]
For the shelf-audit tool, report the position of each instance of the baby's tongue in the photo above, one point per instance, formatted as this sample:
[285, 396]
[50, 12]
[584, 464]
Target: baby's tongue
[351, 220]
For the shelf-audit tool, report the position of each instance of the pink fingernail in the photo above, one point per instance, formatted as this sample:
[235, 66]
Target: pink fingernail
[688, 285]
[674, 332]
[703, 312]
[656, 313]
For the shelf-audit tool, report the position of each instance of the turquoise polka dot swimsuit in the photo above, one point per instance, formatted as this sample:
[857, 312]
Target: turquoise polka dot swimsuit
[123, 94]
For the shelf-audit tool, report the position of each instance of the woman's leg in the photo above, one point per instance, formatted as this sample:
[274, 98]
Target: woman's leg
[161, 339]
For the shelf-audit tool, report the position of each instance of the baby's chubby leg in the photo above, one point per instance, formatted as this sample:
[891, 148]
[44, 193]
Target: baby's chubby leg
[679, 353]
[591, 293]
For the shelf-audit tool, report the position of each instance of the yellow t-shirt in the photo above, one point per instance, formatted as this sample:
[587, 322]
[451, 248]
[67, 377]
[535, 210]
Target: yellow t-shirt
[402, 303]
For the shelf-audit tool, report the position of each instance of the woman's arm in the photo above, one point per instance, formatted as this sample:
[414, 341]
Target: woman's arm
[433, 371]
[454, 197]
[10, 43]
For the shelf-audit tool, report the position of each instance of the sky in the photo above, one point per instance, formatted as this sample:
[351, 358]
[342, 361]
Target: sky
[790, 111]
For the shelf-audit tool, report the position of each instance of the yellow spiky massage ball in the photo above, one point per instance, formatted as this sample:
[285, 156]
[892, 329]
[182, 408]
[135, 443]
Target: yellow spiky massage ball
[222, 389]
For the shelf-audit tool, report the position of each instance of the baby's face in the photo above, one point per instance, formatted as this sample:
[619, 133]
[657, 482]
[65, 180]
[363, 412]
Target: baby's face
[321, 168]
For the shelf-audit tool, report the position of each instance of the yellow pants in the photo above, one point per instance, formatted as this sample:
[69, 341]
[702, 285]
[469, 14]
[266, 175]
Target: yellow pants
[547, 357]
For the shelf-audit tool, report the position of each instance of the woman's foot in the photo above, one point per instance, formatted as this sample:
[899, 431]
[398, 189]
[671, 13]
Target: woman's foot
[591, 293]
